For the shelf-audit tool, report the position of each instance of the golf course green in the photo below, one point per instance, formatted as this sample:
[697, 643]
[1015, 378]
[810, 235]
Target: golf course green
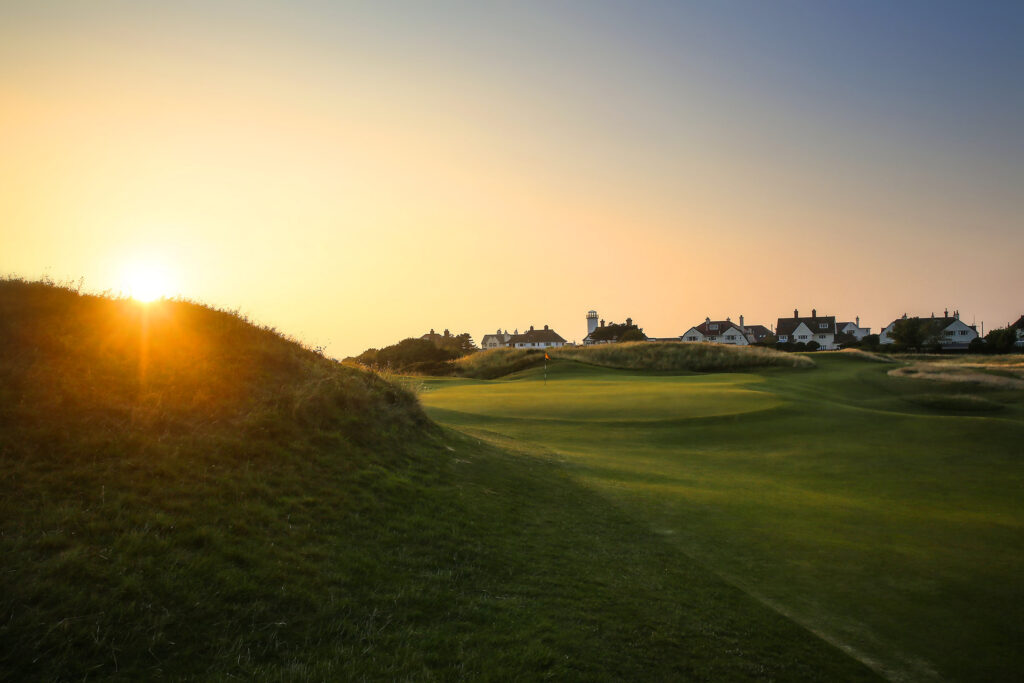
[883, 514]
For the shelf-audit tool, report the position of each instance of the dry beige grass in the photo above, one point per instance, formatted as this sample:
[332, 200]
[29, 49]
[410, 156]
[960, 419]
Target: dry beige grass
[947, 372]
[677, 356]
[867, 355]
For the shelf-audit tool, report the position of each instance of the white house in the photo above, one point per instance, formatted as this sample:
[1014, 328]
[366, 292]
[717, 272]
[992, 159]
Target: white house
[719, 331]
[493, 341]
[950, 331]
[853, 328]
[805, 330]
[1019, 326]
[536, 339]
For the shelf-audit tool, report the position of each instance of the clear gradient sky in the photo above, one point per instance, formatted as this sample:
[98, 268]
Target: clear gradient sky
[357, 173]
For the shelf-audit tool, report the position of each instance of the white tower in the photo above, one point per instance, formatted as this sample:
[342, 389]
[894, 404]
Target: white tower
[591, 321]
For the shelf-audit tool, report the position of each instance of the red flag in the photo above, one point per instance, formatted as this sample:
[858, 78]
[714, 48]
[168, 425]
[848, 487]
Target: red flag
[546, 356]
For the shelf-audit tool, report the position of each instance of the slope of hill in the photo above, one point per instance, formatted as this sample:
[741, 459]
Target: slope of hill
[185, 495]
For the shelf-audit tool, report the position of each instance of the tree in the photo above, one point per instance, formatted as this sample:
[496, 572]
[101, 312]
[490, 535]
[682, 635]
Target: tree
[915, 333]
[872, 342]
[846, 340]
[633, 334]
[1001, 340]
[813, 345]
[614, 332]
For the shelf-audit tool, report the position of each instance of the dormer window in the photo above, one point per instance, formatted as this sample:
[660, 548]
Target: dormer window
[713, 326]
[822, 326]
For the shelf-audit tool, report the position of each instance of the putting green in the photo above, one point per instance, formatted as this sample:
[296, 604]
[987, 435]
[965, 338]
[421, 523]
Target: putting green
[609, 397]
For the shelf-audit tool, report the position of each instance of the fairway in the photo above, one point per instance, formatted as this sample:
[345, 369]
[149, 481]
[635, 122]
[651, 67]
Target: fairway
[838, 496]
[610, 397]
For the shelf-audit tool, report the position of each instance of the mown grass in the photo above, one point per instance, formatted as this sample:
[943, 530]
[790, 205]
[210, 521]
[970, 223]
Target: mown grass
[656, 356]
[186, 496]
[877, 511]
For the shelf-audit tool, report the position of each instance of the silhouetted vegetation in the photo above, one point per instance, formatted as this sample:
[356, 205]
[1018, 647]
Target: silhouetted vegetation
[1000, 340]
[429, 356]
[618, 332]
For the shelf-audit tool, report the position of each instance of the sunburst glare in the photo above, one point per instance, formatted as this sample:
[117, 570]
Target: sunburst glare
[146, 282]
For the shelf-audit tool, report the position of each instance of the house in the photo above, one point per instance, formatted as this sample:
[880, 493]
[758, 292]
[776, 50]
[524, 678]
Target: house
[437, 338]
[755, 333]
[1019, 326]
[719, 331]
[950, 332]
[536, 339]
[854, 329]
[493, 341]
[797, 330]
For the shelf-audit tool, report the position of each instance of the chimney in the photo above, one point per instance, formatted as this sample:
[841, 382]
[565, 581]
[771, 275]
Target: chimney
[796, 313]
[531, 328]
[707, 319]
[446, 333]
[956, 314]
[431, 330]
[814, 312]
[545, 327]
[602, 322]
[741, 320]
[629, 322]
[858, 321]
[945, 313]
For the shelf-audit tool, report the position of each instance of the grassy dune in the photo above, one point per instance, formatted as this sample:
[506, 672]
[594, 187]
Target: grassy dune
[660, 356]
[884, 513]
[186, 496]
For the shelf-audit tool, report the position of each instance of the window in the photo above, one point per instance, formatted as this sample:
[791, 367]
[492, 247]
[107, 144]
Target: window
[802, 336]
[730, 336]
[713, 326]
[712, 338]
[783, 338]
[691, 339]
[822, 326]
[963, 331]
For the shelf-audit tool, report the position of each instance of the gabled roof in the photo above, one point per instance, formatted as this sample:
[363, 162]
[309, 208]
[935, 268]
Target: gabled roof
[786, 326]
[759, 331]
[500, 338]
[1019, 325]
[533, 336]
[723, 326]
[936, 324]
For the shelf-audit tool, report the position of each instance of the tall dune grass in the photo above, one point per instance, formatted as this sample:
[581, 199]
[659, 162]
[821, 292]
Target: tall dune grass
[666, 357]
[670, 356]
[497, 362]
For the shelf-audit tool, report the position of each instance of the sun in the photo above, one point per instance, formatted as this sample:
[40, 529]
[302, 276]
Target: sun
[146, 282]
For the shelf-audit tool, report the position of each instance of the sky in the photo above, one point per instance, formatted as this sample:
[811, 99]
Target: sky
[356, 173]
